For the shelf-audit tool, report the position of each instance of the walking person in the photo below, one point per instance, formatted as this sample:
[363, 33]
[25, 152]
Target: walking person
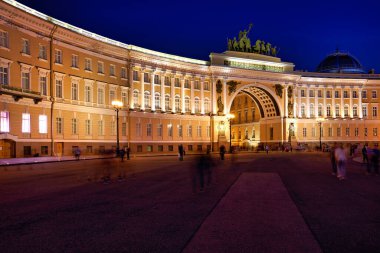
[375, 160]
[77, 153]
[341, 158]
[180, 152]
[365, 157]
[128, 150]
[267, 149]
[222, 151]
[333, 160]
[122, 154]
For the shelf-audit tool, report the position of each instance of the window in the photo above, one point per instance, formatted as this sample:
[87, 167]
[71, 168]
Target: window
[25, 47]
[356, 131]
[180, 131]
[355, 111]
[88, 127]
[135, 98]
[347, 131]
[112, 96]
[113, 127]
[159, 130]
[176, 82]
[303, 93]
[346, 111]
[374, 111]
[112, 70]
[25, 80]
[312, 111]
[167, 102]
[74, 61]
[100, 128]
[330, 133]
[157, 100]
[328, 111]
[87, 91]
[138, 129]
[149, 129]
[199, 147]
[336, 94]
[58, 56]
[147, 99]
[196, 85]
[196, 105]
[135, 75]
[271, 131]
[87, 64]
[365, 131]
[43, 85]
[364, 94]
[208, 131]
[4, 121]
[44, 150]
[354, 94]
[123, 73]
[190, 147]
[4, 76]
[187, 84]
[124, 98]
[311, 93]
[100, 67]
[303, 113]
[177, 103]
[74, 91]
[337, 110]
[59, 125]
[146, 78]
[189, 131]
[313, 132]
[338, 132]
[149, 148]
[42, 124]
[253, 134]
[304, 132]
[124, 129]
[170, 130]
[4, 39]
[199, 131]
[170, 148]
[319, 93]
[58, 89]
[42, 52]
[156, 79]
[100, 96]
[74, 126]
[374, 94]
[206, 86]
[25, 123]
[345, 94]
[328, 94]
[160, 148]
[167, 81]
[89, 149]
[187, 104]
[27, 150]
[207, 105]
[375, 131]
[320, 109]
[364, 109]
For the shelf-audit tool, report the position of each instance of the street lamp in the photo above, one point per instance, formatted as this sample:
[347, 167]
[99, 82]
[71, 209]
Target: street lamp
[229, 117]
[117, 105]
[320, 120]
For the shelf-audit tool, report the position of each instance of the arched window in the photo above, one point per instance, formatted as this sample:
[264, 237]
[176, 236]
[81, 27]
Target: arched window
[320, 110]
[157, 100]
[177, 103]
[355, 110]
[167, 102]
[196, 105]
[328, 111]
[337, 110]
[346, 111]
[147, 99]
[207, 105]
[136, 98]
[303, 113]
[312, 112]
[187, 104]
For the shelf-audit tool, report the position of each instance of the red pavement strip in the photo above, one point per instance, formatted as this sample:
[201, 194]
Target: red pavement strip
[256, 215]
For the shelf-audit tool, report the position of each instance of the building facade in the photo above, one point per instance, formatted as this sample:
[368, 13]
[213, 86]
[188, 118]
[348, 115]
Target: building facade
[57, 84]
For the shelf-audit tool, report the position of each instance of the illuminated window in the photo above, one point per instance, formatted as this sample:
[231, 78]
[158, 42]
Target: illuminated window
[337, 110]
[42, 124]
[157, 100]
[124, 98]
[304, 133]
[170, 130]
[167, 102]
[346, 111]
[146, 99]
[312, 111]
[320, 109]
[177, 103]
[196, 105]
[135, 98]
[355, 111]
[303, 112]
[328, 110]
[354, 94]
[336, 94]
[25, 123]
[207, 105]
[345, 94]
[187, 104]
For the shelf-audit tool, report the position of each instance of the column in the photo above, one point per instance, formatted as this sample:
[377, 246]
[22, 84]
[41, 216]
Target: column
[308, 102]
[286, 101]
[183, 94]
[172, 92]
[130, 81]
[192, 95]
[202, 96]
[360, 104]
[350, 110]
[225, 96]
[324, 111]
[333, 103]
[316, 103]
[162, 88]
[213, 98]
[341, 102]
[299, 102]
[142, 87]
[152, 97]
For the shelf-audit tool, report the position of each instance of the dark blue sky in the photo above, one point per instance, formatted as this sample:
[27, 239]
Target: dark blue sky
[305, 31]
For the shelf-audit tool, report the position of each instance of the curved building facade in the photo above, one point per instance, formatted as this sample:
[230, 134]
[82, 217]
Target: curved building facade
[58, 82]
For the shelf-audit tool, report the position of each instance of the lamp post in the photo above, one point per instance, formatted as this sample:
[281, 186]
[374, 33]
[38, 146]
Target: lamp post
[229, 117]
[117, 105]
[320, 120]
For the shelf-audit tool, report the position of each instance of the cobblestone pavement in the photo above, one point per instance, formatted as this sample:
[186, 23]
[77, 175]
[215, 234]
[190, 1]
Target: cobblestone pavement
[52, 207]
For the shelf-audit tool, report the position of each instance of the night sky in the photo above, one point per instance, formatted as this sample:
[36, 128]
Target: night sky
[305, 31]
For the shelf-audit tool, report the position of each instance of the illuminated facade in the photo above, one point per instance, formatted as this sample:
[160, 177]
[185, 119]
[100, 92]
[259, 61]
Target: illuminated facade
[57, 84]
